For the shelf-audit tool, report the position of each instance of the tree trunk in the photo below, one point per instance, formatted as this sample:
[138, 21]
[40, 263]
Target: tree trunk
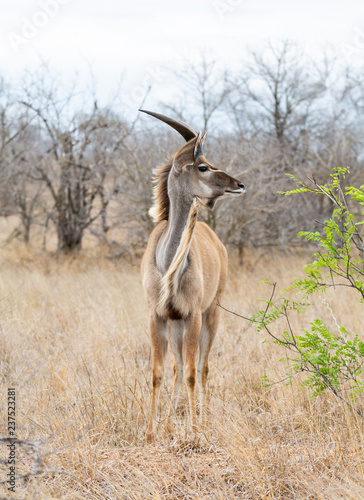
[69, 232]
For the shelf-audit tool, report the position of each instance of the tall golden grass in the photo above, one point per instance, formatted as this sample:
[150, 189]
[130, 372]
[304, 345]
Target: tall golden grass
[74, 343]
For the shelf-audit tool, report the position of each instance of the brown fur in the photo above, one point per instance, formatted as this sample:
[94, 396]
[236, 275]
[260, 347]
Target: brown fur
[196, 303]
[199, 285]
[194, 261]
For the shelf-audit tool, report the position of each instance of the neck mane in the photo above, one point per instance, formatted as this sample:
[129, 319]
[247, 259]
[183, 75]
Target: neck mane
[161, 205]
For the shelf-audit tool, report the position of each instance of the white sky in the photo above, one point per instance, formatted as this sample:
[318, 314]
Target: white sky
[139, 38]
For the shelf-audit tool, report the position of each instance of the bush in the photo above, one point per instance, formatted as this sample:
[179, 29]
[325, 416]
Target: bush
[330, 360]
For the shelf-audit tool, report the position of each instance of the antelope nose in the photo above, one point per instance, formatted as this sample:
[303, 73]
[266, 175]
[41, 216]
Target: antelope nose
[241, 185]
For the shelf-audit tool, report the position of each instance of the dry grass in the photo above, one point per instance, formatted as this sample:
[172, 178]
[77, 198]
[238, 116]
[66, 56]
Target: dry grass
[74, 343]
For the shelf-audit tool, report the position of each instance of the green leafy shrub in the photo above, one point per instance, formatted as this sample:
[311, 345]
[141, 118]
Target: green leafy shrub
[330, 360]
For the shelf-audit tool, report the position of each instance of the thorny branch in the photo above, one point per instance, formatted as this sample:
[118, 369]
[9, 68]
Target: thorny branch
[306, 364]
[39, 468]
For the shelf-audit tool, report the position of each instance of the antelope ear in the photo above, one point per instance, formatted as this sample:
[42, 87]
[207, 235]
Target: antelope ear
[198, 151]
[179, 165]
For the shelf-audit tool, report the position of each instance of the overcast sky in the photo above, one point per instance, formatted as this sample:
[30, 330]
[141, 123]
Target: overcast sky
[138, 38]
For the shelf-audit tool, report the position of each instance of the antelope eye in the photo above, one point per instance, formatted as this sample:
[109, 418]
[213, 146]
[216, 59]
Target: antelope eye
[203, 168]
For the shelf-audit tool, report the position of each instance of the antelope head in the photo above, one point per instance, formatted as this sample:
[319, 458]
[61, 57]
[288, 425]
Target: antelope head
[192, 174]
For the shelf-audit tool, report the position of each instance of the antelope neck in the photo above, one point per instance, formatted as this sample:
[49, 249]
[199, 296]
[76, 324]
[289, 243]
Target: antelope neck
[174, 245]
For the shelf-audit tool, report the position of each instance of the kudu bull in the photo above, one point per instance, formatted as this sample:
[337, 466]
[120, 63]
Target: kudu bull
[184, 268]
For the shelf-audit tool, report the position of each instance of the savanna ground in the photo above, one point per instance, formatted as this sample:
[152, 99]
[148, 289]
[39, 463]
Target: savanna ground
[74, 343]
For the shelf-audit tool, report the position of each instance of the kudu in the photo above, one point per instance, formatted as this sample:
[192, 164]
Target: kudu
[184, 268]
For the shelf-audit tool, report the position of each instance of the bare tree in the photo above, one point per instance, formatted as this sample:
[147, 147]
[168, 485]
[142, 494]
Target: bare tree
[26, 193]
[79, 152]
[18, 195]
[280, 87]
[205, 89]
